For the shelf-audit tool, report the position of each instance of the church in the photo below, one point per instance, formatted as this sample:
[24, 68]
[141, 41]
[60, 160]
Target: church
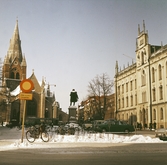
[140, 88]
[43, 104]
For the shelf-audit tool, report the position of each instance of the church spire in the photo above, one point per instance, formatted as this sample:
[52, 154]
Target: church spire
[14, 50]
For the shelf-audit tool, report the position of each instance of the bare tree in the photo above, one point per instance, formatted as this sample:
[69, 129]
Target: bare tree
[99, 89]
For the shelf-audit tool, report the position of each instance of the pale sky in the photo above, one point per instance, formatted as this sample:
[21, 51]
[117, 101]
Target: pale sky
[71, 41]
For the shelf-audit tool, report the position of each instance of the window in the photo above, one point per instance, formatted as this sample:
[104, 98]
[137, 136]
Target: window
[131, 100]
[144, 96]
[127, 100]
[126, 87]
[131, 85]
[154, 114]
[122, 102]
[135, 99]
[143, 78]
[153, 75]
[135, 84]
[122, 88]
[118, 90]
[160, 72]
[160, 92]
[142, 58]
[161, 114]
[119, 103]
[154, 94]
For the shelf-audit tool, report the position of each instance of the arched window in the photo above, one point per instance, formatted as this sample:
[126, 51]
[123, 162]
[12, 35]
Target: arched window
[12, 75]
[154, 114]
[161, 114]
[153, 75]
[160, 72]
[160, 92]
[17, 76]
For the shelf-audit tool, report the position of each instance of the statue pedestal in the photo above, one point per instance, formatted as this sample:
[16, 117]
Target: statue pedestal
[72, 114]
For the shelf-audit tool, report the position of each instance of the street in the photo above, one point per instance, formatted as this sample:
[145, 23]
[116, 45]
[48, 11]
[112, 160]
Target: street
[138, 154]
[80, 153]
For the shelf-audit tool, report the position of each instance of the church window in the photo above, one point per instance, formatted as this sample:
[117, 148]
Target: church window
[17, 76]
[12, 75]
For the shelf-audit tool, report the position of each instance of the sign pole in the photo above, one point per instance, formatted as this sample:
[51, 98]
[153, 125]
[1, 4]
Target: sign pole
[23, 121]
[26, 86]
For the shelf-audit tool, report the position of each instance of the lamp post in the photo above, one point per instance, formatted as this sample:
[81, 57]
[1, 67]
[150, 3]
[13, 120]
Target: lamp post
[150, 93]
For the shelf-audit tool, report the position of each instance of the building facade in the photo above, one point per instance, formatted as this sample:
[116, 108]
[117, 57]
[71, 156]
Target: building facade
[141, 87]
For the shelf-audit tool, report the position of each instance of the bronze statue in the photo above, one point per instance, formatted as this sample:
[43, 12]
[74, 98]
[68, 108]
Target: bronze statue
[73, 97]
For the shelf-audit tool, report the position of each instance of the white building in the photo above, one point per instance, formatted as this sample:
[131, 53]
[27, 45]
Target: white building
[141, 88]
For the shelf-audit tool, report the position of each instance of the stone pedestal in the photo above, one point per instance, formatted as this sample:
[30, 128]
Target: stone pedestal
[72, 114]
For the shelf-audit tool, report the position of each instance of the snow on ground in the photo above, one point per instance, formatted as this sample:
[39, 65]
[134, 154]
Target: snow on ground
[14, 137]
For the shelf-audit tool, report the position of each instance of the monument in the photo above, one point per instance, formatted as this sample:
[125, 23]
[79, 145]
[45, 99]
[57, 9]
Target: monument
[72, 108]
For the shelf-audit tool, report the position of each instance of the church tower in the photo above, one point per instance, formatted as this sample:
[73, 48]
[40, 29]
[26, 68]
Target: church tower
[14, 66]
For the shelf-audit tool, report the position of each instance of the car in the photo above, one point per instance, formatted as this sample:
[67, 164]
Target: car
[115, 126]
[161, 133]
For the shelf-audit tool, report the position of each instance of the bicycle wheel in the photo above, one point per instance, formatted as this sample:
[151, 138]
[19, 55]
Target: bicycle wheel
[30, 136]
[45, 136]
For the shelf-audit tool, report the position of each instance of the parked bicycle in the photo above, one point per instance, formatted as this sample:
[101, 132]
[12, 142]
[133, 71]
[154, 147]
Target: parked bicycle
[37, 131]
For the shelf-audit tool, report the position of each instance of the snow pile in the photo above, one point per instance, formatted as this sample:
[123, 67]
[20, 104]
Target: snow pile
[104, 138]
[12, 139]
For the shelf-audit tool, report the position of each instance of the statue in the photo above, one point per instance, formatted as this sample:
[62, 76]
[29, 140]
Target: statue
[73, 97]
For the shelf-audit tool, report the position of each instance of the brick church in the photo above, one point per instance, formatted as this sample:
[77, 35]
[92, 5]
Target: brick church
[14, 68]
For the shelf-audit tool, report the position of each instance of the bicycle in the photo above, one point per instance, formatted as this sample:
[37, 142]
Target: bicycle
[37, 131]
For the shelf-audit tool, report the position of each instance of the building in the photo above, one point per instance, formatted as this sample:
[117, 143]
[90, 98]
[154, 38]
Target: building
[14, 68]
[89, 109]
[140, 89]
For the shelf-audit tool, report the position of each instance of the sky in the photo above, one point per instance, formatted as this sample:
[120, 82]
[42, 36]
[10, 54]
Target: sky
[70, 42]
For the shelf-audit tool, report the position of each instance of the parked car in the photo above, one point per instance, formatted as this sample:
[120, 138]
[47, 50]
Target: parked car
[115, 126]
[161, 133]
[95, 124]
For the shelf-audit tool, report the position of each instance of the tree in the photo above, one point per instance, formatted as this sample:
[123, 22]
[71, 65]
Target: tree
[99, 89]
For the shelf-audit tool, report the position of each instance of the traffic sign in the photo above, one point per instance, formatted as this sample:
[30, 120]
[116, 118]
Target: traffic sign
[25, 96]
[26, 85]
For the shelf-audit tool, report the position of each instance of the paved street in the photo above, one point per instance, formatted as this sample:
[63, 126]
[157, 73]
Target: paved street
[83, 153]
